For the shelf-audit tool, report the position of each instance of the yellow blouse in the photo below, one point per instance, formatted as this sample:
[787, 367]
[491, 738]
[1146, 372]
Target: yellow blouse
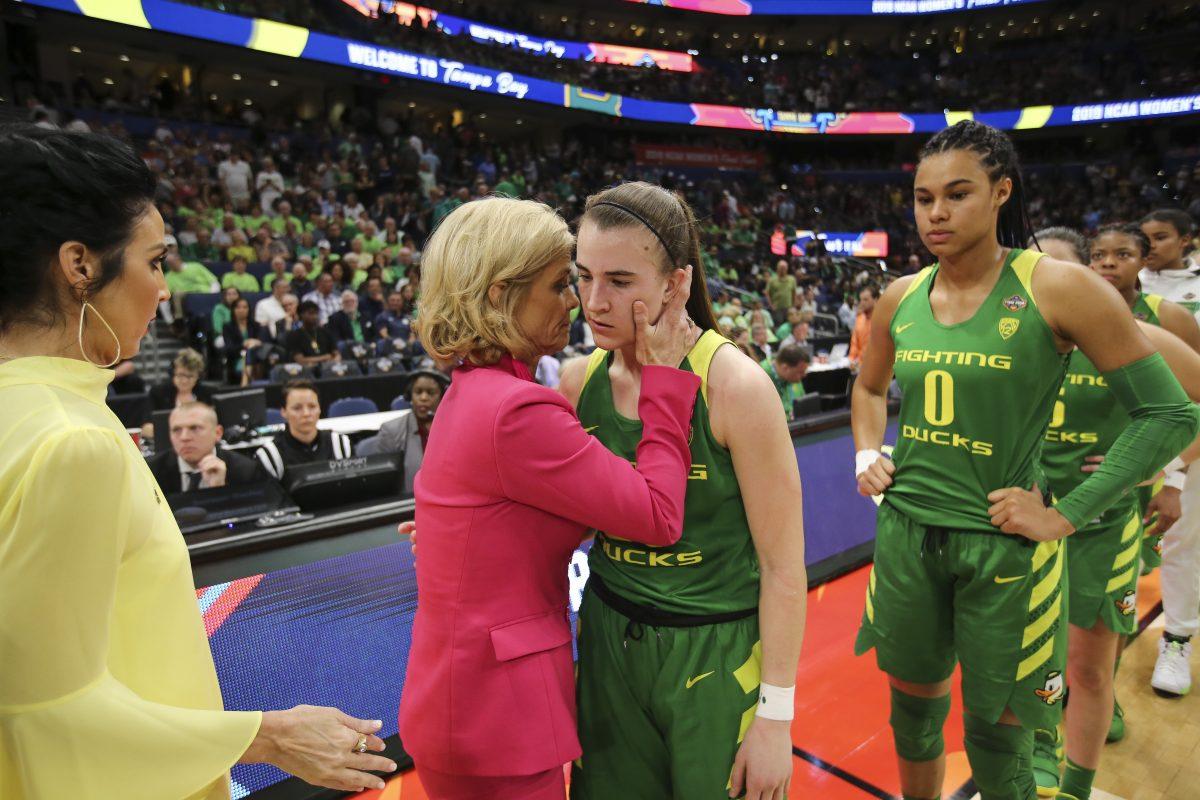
[107, 684]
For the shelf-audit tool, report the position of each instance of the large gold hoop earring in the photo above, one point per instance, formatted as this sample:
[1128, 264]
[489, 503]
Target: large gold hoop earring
[82, 312]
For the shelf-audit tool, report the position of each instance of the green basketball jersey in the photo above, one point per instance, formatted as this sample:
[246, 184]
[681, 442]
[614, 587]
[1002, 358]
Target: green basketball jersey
[977, 397]
[713, 568]
[1087, 420]
[1146, 306]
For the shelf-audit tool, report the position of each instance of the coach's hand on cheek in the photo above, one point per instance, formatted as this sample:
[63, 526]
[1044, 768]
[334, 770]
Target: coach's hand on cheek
[667, 342]
[1023, 512]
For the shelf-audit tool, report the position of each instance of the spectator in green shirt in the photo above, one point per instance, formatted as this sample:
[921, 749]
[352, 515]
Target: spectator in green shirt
[307, 246]
[203, 249]
[222, 313]
[241, 248]
[239, 278]
[184, 277]
[279, 223]
[787, 370]
[781, 290]
[279, 269]
[506, 187]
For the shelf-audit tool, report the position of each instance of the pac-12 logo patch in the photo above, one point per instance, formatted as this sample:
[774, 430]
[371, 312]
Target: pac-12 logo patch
[1053, 690]
[1015, 303]
[1008, 326]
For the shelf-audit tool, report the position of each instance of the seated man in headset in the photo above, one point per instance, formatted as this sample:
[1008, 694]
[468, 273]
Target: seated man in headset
[300, 442]
[409, 434]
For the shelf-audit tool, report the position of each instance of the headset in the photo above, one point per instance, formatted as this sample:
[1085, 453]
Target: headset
[441, 379]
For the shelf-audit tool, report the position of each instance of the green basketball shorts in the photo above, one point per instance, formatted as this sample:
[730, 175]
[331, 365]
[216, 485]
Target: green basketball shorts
[994, 602]
[662, 710]
[1103, 565]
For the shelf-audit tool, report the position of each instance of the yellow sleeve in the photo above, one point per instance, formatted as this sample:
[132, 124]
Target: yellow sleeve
[68, 727]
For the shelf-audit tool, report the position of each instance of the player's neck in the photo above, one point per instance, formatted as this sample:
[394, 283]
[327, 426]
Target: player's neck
[978, 263]
[1130, 294]
[626, 358]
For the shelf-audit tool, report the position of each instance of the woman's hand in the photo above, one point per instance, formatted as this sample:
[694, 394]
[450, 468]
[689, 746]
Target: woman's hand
[1015, 510]
[666, 343]
[317, 745]
[875, 479]
[409, 529]
[1167, 506]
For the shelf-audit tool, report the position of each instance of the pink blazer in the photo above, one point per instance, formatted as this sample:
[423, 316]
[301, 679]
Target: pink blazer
[509, 486]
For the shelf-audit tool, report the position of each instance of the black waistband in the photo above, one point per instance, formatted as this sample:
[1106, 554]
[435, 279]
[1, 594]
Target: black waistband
[657, 618]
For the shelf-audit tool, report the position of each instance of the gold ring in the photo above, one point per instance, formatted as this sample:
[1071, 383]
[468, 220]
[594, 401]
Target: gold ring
[361, 747]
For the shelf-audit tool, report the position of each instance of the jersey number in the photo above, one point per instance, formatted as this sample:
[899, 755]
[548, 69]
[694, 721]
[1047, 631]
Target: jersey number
[939, 397]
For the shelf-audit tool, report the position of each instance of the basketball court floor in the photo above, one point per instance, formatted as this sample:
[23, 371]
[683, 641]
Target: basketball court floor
[843, 746]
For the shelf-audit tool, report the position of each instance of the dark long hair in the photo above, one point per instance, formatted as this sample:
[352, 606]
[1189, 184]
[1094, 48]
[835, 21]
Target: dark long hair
[999, 159]
[669, 217]
[58, 187]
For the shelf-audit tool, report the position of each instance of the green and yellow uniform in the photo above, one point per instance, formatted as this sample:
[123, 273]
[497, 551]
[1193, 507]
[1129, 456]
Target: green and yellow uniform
[669, 653]
[1102, 557]
[946, 583]
[1146, 308]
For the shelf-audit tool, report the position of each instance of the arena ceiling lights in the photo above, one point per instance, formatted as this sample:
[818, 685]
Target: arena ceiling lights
[833, 8]
[289, 40]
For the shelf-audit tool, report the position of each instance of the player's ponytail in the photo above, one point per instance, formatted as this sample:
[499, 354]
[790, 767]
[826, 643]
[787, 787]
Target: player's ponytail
[999, 159]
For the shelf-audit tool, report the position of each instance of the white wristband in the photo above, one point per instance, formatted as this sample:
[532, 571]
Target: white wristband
[1174, 478]
[863, 459]
[1176, 465]
[776, 702]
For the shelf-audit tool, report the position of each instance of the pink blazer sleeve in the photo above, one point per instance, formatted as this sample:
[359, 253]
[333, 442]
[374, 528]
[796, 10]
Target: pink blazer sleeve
[548, 462]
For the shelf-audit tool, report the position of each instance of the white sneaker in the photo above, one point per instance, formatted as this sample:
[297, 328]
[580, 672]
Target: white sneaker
[1172, 673]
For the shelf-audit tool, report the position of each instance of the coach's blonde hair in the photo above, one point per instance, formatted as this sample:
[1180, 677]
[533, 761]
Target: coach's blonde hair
[480, 244]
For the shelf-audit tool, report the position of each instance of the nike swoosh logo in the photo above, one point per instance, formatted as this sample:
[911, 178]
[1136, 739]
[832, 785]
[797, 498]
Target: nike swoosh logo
[589, 430]
[1008, 580]
[693, 681]
[902, 328]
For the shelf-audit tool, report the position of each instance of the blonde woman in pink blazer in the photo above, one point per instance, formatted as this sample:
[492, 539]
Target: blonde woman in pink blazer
[510, 485]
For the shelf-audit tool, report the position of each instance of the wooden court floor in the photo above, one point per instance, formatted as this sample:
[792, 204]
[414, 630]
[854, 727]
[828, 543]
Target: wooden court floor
[842, 745]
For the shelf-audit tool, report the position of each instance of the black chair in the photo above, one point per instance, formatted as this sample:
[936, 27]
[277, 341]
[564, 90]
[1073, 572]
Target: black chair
[807, 406]
[340, 369]
[354, 351]
[379, 366]
[290, 372]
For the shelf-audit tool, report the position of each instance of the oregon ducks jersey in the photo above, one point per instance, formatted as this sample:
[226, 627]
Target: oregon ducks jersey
[713, 568]
[1146, 306]
[1086, 421]
[977, 397]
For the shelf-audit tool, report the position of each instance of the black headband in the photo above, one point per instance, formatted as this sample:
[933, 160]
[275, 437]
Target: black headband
[642, 220]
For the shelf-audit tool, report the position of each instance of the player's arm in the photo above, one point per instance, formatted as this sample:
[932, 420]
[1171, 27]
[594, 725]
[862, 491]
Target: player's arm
[1083, 310]
[1179, 321]
[747, 419]
[868, 399]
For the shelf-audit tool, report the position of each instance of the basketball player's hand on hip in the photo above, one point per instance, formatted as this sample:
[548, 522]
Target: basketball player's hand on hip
[667, 342]
[1167, 506]
[877, 477]
[1023, 512]
[762, 769]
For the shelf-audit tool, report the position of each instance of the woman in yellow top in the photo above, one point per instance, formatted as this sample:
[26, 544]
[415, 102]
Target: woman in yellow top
[107, 685]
